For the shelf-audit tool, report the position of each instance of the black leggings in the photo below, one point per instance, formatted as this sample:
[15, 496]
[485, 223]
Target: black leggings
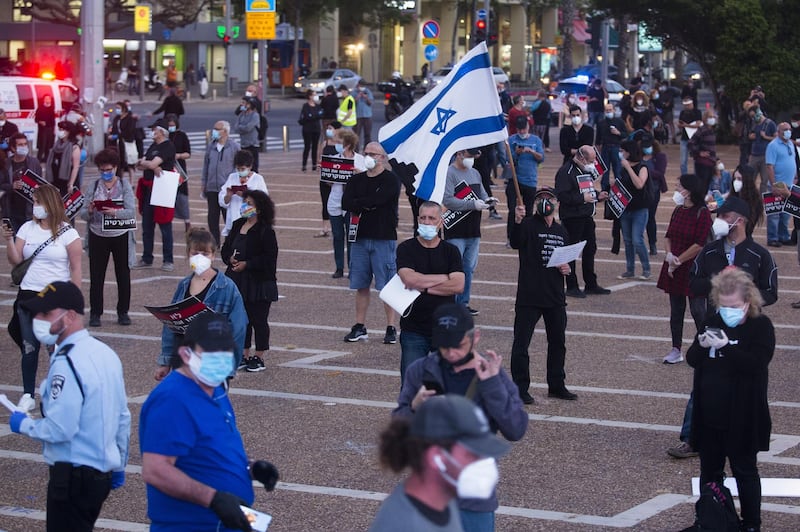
[677, 309]
[310, 143]
[100, 248]
[324, 192]
[257, 321]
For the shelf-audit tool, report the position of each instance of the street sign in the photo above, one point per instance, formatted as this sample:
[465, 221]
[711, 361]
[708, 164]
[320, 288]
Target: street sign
[260, 25]
[142, 19]
[431, 52]
[482, 13]
[430, 32]
[259, 6]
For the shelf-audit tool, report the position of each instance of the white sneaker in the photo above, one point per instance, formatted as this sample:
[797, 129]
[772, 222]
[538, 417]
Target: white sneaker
[26, 403]
[674, 356]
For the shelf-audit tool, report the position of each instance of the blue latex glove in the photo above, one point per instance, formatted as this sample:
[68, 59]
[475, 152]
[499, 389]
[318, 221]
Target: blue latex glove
[3, 145]
[16, 420]
[117, 479]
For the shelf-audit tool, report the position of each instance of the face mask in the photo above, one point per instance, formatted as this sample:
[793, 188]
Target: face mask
[737, 185]
[199, 264]
[107, 176]
[523, 136]
[329, 133]
[655, 123]
[339, 94]
[338, 147]
[476, 480]
[640, 102]
[545, 207]
[795, 124]
[2, 123]
[214, 135]
[41, 329]
[648, 150]
[732, 316]
[39, 212]
[244, 173]
[212, 368]
[117, 111]
[369, 162]
[712, 122]
[617, 113]
[571, 100]
[248, 93]
[468, 161]
[247, 211]
[678, 198]
[720, 228]
[61, 133]
[758, 117]
[172, 129]
[609, 115]
[427, 232]
[22, 151]
[656, 96]
[720, 167]
[589, 168]
[243, 107]
[315, 99]
[576, 120]
[787, 134]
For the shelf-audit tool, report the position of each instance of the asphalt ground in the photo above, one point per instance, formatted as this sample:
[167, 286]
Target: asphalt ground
[598, 463]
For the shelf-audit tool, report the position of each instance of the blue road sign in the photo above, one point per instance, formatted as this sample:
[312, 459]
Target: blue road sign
[482, 13]
[431, 52]
[430, 29]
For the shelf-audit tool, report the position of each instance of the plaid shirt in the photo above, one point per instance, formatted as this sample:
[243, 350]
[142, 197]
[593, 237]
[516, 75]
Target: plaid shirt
[686, 227]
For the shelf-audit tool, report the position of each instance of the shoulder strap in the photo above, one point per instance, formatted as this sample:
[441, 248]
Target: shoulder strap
[50, 240]
[64, 351]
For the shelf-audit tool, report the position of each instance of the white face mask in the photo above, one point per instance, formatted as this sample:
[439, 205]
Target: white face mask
[711, 122]
[61, 133]
[720, 228]
[576, 120]
[678, 198]
[640, 102]
[655, 123]
[369, 162]
[39, 212]
[248, 93]
[476, 480]
[720, 167]
[737, 185]
[468, 161]
[199, 264]
[41, 330]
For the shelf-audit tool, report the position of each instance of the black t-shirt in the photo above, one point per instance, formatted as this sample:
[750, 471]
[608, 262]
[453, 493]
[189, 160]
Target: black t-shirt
[182, 145]
[166, 151]
[538, 285]
[444, 258]
[329, 104]
[638, 195]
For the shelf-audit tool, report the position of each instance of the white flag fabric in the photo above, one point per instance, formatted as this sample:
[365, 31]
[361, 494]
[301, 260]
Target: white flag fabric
[462, 112]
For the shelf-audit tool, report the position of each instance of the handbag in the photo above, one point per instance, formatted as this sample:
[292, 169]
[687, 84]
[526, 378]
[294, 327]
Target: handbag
[18, 272]
[131, 152]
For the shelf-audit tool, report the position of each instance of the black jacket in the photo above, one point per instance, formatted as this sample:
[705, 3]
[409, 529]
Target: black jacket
[538, 285]
[570, 199]
[262, 250]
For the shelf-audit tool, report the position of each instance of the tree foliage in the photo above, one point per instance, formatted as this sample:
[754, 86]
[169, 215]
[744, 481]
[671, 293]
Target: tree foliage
[738, 43]
[171, 13]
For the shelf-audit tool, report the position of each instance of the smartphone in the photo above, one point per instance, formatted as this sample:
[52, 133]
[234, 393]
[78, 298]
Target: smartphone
[433, 385]
[7, 223]
[714, 331]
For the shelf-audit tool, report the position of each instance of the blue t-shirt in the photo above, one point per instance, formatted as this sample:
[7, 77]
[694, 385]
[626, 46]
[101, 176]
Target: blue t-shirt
[527, 166]
[180, 419]
[780, 154]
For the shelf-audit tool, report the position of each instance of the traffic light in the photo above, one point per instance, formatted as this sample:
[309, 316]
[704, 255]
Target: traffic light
[491, 39]
[221, 32]
[226, 40]
[480, 26]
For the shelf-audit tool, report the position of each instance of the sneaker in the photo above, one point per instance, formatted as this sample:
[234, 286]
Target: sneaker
[357, 332]
[626, 275]
[597, 290]
[94, 320]
[338, 274]
[576, 292]
[645, 276]
[391, 335]
[123, 318]
[684, 450]
[243, 363]
[168, 267]
[526, 397]
[472, 311]
[26, 403]
[674, 356]
[142, 264]
[562, 394]
[494, 215]
[255, 364]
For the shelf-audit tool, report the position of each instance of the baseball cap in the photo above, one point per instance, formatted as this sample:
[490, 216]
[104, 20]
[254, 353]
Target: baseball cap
[61, 294]
[456, 418]
[474, 152]
[160, 123]
[211, 331]
[541, 191]
[450, 323]
[735, 204]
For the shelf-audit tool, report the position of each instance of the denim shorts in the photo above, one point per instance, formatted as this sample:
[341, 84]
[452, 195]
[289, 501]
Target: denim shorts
[370, 258]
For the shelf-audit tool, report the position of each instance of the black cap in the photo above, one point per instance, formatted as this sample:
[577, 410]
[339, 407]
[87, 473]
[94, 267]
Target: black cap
[160, 123]
[211, 331]
[61, 294]
[343, 87]
[735, 204]
[521, 122]
[474, 151]
[450, 324]
[455, 418]
[542, 191]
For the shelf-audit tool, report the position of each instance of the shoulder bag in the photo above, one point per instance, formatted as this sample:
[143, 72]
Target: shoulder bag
[18, 272]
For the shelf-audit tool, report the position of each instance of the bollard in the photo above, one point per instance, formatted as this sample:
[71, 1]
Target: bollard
[285, 138]
[213, 95]
[188, 96]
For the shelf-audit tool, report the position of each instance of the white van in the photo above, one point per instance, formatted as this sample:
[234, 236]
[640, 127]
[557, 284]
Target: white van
[21, 96]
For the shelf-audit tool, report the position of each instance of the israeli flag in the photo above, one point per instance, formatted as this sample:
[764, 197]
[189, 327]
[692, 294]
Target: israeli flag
[462, 112]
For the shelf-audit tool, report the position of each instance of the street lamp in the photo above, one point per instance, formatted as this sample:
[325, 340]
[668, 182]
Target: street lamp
[360, 49]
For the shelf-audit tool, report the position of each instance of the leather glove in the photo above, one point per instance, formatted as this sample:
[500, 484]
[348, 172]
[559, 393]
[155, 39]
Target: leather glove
[266, 473]
[226, 506]
[16, 420]
[480, 205]
[117, 479]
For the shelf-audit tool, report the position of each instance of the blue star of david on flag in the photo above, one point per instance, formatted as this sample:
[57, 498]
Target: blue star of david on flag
[443, 116]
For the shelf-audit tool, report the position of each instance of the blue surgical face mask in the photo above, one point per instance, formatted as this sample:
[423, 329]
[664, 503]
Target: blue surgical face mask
[648, 150]
[787, 134]
[214, 134]
[212, 368]
[22, 151]
[107, 176]
[427, 232]
[172, 129]
[732, 316]
[329, 133]
[339, 147]
[609, 115]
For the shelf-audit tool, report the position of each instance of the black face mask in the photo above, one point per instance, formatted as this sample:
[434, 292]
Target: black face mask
[545, 207]
[463, 360]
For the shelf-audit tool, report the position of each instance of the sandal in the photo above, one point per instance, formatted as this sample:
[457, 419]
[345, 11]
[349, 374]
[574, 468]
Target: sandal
[322, 234]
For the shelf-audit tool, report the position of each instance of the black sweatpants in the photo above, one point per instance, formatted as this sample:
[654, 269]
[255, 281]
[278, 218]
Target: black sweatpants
[555, 324]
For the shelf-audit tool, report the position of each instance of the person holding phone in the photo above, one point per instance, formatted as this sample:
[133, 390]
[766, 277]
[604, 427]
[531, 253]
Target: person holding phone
[456, 367]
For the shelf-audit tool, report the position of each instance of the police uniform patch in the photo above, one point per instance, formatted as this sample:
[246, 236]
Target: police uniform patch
[56, 385]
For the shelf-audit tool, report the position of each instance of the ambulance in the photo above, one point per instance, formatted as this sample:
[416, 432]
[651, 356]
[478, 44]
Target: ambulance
[21, 96]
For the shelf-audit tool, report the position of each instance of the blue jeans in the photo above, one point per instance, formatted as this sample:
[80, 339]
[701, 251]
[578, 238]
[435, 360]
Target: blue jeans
[778, 227]
[370, 257]
[477, 521]
[339, 230]
[610, 154]
[684, 156]
[413, 346]
[633, 225]
[468, 247]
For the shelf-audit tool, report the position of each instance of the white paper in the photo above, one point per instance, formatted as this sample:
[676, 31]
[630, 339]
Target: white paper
[690, 131]
[770, 487]
[165, 189]
[397, 296]
[8, 404]
[566, 254]
[259, 521]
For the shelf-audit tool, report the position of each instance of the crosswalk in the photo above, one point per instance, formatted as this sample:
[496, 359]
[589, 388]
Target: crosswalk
[197, 140]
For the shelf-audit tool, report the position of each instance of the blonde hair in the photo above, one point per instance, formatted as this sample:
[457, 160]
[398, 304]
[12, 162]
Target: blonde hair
[348, 138]
[733, 280]
[48, 197]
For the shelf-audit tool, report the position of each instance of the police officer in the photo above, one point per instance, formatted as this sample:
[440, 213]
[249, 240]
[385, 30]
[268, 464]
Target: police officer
[85, 428]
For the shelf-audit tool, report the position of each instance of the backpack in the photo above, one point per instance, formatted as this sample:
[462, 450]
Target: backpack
[262, 127]
[714, 509]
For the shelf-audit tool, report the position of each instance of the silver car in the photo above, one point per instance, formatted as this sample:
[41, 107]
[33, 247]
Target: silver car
[317, 81]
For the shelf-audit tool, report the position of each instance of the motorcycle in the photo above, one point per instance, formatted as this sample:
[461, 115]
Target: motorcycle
[398, 97]
[152, 82]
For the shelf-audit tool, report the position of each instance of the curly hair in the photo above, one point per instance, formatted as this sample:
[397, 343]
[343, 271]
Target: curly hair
[732, 280]
[264, 205]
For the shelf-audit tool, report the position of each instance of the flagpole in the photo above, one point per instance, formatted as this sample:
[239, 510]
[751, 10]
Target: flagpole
[513, 174]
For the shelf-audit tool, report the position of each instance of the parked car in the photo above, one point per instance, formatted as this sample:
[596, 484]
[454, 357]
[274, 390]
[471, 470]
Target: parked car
[577, 85]
[317, 81]
[499, 76]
